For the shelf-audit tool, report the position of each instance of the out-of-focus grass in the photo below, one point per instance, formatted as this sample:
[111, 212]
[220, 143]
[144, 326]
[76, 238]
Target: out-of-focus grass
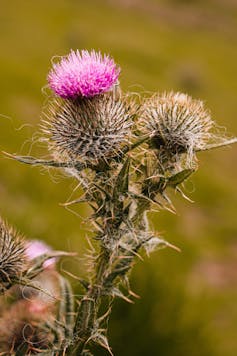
[188, 299]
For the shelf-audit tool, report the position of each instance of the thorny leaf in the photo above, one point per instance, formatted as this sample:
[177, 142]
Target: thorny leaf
[120, 189]
[115, 292]
[179, 177]
[38, 262]
[154, 243]
[121, 267]
[102, 340]
[142, 198]
[136, 144]
[103, 319]
[183, 195]
[126, 211]
[121, 183]
[51, 163]
[106, 193]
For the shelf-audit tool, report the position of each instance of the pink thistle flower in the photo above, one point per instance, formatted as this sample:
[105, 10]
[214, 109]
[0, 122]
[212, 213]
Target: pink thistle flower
[83, 74]
[36, 248]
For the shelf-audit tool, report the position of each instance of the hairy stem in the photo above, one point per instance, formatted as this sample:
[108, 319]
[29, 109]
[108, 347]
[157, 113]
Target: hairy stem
[89, 308]
[111, 263]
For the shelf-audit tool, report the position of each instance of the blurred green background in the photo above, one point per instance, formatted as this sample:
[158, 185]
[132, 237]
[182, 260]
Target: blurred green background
[188, 300]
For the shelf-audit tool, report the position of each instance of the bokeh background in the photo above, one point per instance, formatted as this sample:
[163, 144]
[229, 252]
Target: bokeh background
[188, 300]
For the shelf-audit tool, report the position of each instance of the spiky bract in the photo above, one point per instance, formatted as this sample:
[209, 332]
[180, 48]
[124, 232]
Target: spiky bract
[88, 129]
[12, 254]
[176, 122]
[83, 74]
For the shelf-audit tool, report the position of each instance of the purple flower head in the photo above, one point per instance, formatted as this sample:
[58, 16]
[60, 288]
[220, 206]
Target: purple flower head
[83, 74]
[36, 248]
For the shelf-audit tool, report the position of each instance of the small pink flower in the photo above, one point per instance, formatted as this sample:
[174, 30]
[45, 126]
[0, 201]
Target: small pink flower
[36, 248]
[83, 74]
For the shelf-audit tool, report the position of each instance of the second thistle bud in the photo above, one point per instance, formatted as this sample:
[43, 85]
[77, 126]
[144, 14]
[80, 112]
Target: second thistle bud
[177, 123]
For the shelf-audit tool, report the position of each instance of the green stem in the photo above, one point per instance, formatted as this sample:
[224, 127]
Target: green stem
[88, 310]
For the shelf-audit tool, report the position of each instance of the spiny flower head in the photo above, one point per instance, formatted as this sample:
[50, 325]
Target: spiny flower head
[36, 248]
[88, 129]
[83, 74]
[12, 254]
[177, 123]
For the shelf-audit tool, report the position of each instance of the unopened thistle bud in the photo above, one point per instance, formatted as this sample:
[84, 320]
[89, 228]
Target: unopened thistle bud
[83, 74]
[88, 129]
[177, 123]
[12, 254]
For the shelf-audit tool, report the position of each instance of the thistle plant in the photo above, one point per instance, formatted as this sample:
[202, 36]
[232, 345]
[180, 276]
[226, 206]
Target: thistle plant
[126, 153]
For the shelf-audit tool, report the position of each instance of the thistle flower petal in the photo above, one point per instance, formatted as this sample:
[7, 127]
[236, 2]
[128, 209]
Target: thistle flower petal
[88, 129]
[83, 74]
